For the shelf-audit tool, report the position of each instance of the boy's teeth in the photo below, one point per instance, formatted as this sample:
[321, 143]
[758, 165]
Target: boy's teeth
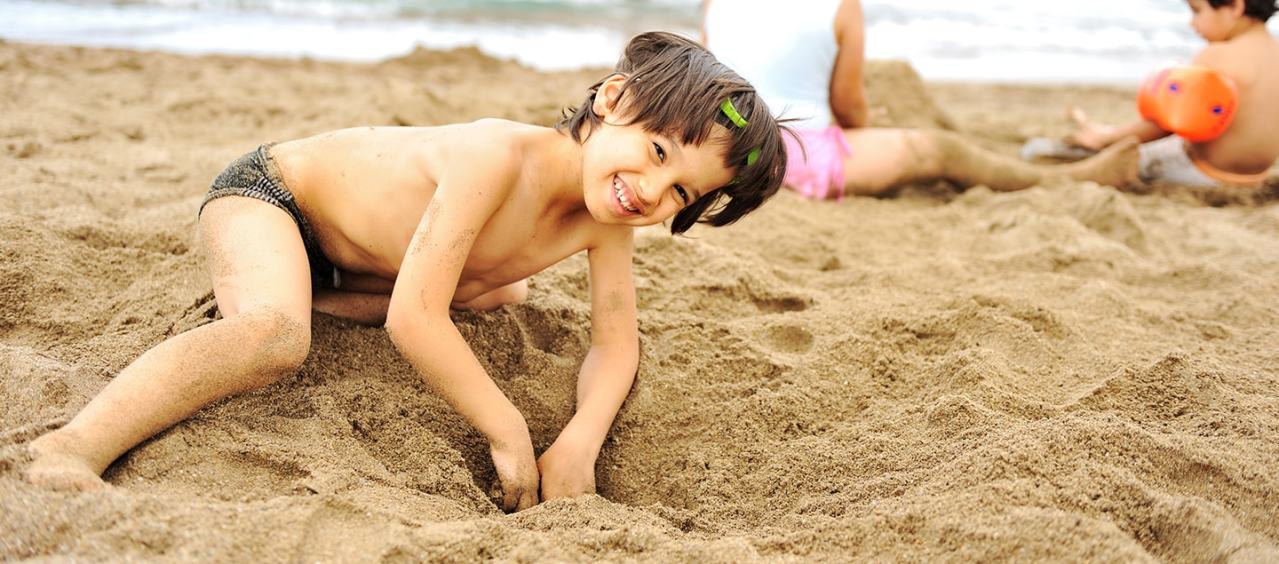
[626, 204]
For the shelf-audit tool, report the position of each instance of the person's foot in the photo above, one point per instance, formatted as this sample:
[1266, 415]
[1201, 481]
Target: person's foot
[56, 466]
[1041, 148]
[1118, 165]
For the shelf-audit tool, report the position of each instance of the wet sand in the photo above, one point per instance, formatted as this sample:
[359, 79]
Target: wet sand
[1067, 373]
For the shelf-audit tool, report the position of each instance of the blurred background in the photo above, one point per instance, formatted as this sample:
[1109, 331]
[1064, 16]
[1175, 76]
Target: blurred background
[1082, 41]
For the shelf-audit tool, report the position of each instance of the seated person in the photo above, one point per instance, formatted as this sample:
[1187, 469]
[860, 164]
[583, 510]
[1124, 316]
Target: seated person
[1243, 52]
[816, 74]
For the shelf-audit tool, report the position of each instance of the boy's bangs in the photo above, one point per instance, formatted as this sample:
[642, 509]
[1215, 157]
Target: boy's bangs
[678, 98]
[675, 87]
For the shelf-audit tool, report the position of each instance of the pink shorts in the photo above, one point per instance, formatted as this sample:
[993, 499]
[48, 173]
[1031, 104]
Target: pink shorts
[817, 170]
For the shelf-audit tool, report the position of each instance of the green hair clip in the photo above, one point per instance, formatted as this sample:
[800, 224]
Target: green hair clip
[741, 123]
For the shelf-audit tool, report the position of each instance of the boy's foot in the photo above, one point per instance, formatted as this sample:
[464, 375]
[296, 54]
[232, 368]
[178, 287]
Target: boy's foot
[55, 465]
[1118, 165]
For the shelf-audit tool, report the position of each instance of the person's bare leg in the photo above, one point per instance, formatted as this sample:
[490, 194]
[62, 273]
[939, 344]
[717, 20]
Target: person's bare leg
[1117, 166]
[883, 159]
[360, 307]
[513, 293]
[362, 298]
[261, 279]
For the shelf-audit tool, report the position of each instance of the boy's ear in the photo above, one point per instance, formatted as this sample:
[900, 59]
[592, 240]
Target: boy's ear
[608, 96]
[1238, 7]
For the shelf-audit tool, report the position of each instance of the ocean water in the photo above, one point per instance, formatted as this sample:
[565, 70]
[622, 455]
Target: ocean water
[1103, 41]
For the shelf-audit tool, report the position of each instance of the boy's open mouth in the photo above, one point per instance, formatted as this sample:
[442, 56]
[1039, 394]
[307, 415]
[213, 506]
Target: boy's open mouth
[624, 196]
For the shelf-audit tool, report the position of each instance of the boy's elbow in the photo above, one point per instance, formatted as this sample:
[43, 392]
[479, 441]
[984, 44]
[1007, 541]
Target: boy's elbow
[403, 320]
[396, 325]
[852, 115]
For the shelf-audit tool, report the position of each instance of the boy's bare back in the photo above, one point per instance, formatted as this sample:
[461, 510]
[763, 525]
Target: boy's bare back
[1252, 62]
[366, 190]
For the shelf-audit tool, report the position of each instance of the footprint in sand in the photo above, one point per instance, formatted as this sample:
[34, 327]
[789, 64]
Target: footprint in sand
[791, 339]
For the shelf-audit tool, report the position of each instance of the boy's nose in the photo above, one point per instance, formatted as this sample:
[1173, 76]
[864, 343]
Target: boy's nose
[648, 194]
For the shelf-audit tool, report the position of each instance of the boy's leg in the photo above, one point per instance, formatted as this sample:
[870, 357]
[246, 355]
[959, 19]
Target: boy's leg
[261, 279]
[362, 298]
[882, 159]
[360, 307]
[513, 293]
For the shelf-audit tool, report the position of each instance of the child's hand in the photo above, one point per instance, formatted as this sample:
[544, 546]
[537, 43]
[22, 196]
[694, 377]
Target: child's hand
[1089, 135]
[568, 469]
[517, 471]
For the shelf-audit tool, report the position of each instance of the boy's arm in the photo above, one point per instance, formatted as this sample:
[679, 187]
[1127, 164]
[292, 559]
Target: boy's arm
[1095, 136]
[419, 324]
[606, 376]
[1144, 130]
[847, 89]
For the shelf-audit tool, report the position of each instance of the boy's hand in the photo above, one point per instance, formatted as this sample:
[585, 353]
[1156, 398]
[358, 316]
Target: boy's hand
[567, 468]
[1089, 135]
[517, 471]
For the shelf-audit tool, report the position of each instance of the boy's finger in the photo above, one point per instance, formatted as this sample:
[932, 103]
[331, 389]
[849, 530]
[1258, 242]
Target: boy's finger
[510, 499]
[529, 499]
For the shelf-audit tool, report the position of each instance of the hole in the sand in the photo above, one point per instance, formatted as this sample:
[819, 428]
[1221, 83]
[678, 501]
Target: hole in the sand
[551, 331]
[781, 304]
[788, 338]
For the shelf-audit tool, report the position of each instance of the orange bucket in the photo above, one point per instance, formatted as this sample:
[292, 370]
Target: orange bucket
[1196, 103]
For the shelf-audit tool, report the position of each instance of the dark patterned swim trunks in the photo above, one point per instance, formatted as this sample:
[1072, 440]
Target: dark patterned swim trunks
[255, 175]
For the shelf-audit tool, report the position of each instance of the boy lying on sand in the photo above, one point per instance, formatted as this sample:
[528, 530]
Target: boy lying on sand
[397, 225]
[1241, 50]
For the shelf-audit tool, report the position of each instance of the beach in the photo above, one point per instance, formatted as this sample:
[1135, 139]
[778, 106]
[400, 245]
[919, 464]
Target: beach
[1085, 41]
[1064, 373]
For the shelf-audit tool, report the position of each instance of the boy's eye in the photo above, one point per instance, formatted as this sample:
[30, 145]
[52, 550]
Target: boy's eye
[661, 153]
[683, 194]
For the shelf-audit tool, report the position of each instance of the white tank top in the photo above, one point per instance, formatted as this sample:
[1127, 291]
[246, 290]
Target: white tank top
[785, 49]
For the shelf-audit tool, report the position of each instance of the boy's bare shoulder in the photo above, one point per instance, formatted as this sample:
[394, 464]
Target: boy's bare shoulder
[485, 148]
[1239, 54]
[1218, 56]
[494, 137]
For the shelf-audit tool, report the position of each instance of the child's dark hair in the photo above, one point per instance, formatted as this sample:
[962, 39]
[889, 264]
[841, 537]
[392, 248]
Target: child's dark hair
[1255, 9]
[676, 88]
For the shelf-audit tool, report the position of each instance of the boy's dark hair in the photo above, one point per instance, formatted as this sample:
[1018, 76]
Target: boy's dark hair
[1255, 9]
[676, 88]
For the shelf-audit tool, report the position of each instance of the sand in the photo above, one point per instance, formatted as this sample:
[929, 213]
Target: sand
[1070, 373]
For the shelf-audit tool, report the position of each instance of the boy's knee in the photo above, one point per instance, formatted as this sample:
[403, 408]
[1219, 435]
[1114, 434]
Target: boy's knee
[517, 293]
[281, 341]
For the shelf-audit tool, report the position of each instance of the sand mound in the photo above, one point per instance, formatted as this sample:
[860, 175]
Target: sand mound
[899, 97]
[1070, 374]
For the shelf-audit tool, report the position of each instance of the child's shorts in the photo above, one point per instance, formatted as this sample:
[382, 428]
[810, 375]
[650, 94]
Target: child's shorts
[817, 170]
[1168, 160]
[255, 175]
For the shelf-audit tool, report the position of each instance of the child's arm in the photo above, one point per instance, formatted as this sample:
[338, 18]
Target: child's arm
[419, 324]
[568, 466]
[847, 88]
[1096, 136]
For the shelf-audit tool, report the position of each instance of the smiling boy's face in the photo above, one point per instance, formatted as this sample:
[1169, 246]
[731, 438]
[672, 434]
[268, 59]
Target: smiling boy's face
[634, 177]
[1214, 24]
